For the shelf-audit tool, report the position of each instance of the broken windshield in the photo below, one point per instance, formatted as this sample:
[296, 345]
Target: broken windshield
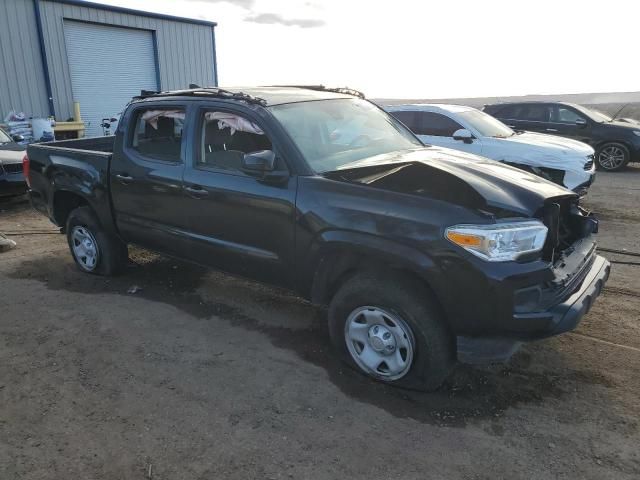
[333, 133]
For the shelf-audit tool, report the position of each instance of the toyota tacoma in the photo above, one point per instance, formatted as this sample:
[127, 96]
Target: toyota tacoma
[415, 249]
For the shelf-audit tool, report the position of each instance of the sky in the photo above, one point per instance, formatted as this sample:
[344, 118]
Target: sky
[422, 49]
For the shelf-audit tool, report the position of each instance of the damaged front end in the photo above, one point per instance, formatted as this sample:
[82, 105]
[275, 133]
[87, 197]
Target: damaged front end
[576, 273]
[567, 222]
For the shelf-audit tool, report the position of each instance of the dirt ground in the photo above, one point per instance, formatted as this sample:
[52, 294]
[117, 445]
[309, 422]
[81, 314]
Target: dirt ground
[203, 376]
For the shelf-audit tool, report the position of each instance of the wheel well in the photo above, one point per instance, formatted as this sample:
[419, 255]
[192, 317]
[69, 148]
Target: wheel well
[63, 204]
[334, 269]
[604, 142]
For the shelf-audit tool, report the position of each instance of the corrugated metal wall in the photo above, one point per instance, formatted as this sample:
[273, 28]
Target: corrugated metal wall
[185, 50]
[22, 83]
[185, 53]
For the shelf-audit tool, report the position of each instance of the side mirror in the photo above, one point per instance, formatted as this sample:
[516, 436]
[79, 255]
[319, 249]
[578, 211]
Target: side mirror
[581, 122]
[17, 138]
[463, 135]
[260, 162]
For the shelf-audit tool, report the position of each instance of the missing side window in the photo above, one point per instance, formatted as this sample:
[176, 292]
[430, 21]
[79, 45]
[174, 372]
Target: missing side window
[158, 134]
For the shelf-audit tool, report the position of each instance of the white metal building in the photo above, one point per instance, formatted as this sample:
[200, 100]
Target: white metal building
[55, 52]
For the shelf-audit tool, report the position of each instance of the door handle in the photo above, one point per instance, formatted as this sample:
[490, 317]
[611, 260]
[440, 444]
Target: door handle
[196, 191]
[551, 129]
[124, 178]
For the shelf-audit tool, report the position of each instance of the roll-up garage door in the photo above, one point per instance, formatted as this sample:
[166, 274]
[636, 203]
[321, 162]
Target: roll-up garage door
[108, 66]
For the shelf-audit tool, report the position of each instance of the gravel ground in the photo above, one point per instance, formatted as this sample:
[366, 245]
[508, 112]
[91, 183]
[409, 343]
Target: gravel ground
[200, 375]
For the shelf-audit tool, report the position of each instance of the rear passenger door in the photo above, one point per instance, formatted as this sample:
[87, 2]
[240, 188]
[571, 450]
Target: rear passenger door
[146, 178]
[239, 222]
[507, 114]
[533, 117]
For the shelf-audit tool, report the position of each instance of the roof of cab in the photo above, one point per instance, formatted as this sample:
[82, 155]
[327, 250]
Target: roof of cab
[533, 102]
[430, 107]
[266, 96]
[281, 95]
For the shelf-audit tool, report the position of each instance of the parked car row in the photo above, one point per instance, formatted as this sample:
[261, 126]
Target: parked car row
[616, 142]
[510, 137]
[415, 249]
[566, 162]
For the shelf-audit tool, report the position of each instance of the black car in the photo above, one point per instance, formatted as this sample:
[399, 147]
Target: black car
[616, 143]
[11, 178]
[416, 250]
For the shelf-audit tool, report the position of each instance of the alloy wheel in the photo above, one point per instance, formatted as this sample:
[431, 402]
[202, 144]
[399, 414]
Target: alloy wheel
[611, 157]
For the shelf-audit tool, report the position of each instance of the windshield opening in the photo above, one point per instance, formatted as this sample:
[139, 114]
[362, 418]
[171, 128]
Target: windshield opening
[486, 125]
[334, 133]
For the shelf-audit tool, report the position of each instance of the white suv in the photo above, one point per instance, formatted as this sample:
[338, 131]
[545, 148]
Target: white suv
[563, 161]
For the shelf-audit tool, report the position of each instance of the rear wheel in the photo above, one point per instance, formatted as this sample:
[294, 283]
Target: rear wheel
[391, 331]
[93, 249]
[612, 157]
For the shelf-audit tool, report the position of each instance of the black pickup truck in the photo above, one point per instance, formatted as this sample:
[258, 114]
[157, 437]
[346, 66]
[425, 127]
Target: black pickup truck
[416, 250]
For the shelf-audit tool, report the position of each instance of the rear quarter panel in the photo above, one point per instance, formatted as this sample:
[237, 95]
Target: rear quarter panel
[55, 169]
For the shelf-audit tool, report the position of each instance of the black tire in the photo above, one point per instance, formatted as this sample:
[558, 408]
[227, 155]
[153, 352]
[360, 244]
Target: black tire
[434, 351]
[111, 253]
[603, 157]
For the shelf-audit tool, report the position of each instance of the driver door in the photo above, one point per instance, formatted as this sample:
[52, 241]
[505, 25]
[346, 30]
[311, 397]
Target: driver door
[570, 124]
[238, 222]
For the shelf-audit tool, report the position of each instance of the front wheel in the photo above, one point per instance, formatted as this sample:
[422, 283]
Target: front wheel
[93, 249]
[392, 331]
[612, 157]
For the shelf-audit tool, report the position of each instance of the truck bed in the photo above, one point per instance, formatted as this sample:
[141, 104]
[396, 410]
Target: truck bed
[93, 144]
[78, 169]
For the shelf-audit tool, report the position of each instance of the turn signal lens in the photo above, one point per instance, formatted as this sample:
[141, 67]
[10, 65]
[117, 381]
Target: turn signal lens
[463, 239]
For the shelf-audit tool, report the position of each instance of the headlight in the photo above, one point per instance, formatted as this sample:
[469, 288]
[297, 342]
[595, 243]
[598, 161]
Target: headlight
[499, 242]
[637, 132]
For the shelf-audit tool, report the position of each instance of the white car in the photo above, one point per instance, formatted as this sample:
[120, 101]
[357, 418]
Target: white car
[567, 162]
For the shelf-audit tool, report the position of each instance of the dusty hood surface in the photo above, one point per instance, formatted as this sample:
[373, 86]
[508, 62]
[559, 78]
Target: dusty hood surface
[552, 143]
[11, 153]
[457, 177]
[540, 150]
[629, 123]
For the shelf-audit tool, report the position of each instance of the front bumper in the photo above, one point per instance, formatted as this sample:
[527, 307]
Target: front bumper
[580, 181]
[522, 301]
[565, 315]
[583, 188]
[561, 316]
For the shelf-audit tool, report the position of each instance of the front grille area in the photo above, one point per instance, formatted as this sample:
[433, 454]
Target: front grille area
[12, 168]
[567, 223]
[589, 164]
